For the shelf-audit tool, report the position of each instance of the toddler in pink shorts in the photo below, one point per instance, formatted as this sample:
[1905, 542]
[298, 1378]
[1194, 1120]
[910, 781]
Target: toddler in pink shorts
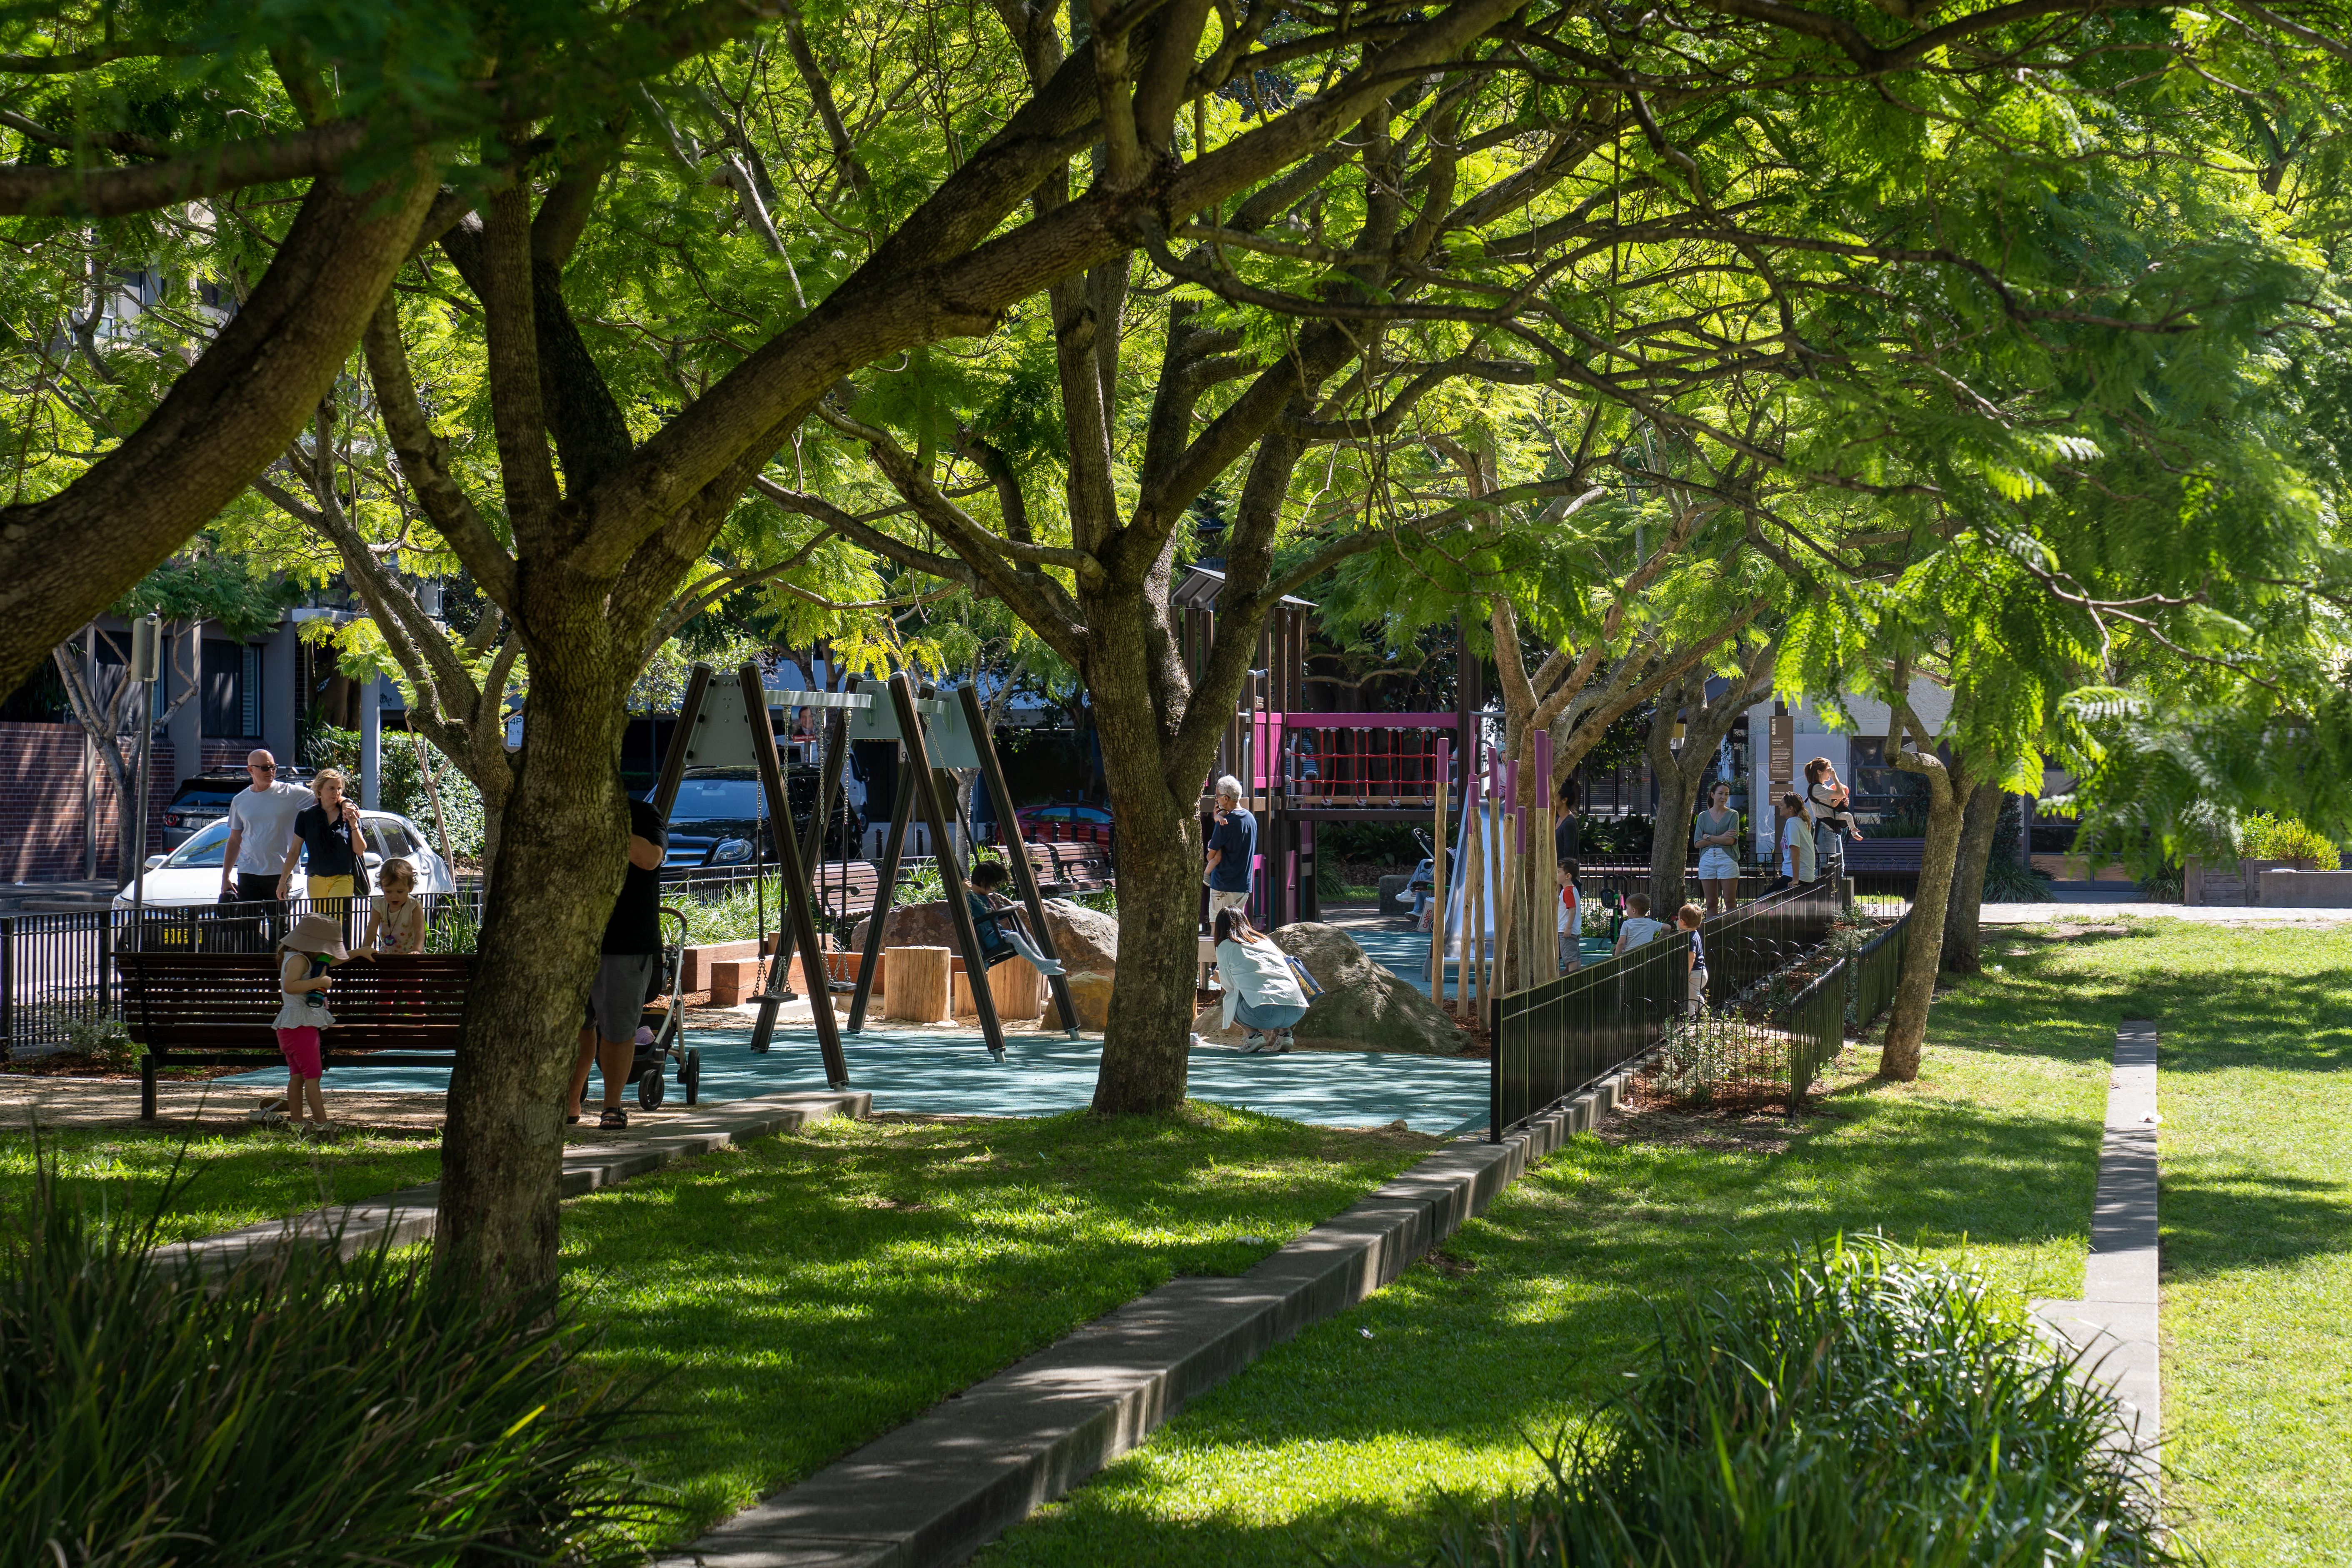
[313, 946]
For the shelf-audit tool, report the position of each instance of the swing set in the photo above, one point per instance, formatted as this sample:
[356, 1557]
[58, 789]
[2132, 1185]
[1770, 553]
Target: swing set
[934, 734]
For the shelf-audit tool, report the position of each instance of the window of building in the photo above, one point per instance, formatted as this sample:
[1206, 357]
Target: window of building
[222, 690]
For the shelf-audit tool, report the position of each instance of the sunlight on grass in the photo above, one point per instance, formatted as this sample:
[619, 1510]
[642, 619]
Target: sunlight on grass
[231, 1178]
[1337, 1442]
[801, 1295]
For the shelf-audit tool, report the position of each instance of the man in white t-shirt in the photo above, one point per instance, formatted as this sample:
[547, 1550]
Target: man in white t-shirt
[261, 830]
[1639, 927]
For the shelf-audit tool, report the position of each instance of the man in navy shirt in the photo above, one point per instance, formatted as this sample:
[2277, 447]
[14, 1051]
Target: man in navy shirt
[1233, 850]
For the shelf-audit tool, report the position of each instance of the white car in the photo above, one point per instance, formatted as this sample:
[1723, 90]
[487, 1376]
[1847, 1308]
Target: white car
[192, 873]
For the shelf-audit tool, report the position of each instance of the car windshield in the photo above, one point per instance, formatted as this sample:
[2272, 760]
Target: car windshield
[703, 800]
[216, 792]
[202, 849]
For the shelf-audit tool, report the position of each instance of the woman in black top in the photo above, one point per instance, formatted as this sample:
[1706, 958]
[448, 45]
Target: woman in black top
[329, 830]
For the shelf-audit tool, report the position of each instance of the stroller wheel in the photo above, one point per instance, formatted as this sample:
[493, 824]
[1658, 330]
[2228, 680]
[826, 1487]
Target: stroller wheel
[689, 1074]
[650, 1087]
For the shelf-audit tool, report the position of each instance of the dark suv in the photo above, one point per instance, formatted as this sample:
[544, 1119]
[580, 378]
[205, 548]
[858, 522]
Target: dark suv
[203, 800]
[712, 821]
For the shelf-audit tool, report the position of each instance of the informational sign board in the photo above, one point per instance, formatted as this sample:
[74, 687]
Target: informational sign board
[1783, 749]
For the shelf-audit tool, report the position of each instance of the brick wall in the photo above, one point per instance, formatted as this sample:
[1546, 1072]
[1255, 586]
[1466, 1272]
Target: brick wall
[227, 756]
[40, 803]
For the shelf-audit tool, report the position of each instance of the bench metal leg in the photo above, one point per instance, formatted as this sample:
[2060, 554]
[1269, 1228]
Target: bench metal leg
[147, 1088]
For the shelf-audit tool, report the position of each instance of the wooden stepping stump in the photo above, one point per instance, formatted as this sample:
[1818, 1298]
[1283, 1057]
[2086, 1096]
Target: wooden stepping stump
[918, 984]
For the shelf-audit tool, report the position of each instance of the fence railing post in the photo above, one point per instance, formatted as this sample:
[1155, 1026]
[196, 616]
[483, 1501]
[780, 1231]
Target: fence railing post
[8, 986]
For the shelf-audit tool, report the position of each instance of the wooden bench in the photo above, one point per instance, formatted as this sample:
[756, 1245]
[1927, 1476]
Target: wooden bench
[1070, 868]
[214, 1009]
[845, 891]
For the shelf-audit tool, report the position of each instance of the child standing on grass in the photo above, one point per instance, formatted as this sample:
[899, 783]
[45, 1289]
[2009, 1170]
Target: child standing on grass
[313, 946]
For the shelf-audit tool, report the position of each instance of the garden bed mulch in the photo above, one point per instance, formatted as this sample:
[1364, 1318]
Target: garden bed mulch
[1742, 1116]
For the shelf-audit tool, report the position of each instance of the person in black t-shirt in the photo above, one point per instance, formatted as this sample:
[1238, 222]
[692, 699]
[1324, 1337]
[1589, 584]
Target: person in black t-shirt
[631, 951]
[1568, 832]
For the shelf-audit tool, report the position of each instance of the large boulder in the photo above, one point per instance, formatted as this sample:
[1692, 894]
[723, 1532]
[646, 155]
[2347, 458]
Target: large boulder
[1087, 940]
[1090, 994]
[1363, 1006]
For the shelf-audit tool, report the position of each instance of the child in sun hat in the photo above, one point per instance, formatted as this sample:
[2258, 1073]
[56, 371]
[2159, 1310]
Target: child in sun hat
[312, 946]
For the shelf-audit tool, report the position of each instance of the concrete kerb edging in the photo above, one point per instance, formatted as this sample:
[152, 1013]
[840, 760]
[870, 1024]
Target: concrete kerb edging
[405, 1217]
[2115, 1326]
[938, 1488]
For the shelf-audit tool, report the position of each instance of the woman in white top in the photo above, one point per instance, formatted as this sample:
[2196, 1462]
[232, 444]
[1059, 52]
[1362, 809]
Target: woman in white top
[1260, 989]
[1714, 831]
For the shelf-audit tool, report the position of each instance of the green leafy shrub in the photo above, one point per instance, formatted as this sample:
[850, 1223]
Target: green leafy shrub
[1851, 1408]
[2266, 838]
[300, 1410]
[105, 1041]
[461, 803]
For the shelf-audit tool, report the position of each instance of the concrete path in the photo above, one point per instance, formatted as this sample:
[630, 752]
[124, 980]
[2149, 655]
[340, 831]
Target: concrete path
[2115, 1323]
[2076, 912]
[946, 1072]
[405, 1217]
[946, 1483]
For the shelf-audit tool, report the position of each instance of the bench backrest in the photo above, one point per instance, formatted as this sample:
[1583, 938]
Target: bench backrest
[204, 1001]
[1071, 865]
[846, 888]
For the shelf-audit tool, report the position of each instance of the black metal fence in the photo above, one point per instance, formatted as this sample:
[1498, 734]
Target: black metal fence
[57, 971]
[1877, 969]
[1550, 1040]
[1816, 1029]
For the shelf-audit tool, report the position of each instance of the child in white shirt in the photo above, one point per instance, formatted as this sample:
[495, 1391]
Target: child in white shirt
[1639, 927]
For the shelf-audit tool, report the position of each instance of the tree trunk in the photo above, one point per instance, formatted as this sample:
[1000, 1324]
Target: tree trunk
[130, 849]
[1962, 955]
[1677, 802]
[1147, 1042]
[1915, 990]
[563, 842]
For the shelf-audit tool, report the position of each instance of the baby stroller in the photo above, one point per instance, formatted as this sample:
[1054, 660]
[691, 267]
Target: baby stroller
[661, 1031]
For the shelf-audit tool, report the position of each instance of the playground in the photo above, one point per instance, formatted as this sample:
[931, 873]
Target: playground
[948, 1072]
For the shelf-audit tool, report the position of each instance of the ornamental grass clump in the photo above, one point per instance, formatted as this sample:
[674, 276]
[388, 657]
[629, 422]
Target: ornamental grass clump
[1853, 1408]
[299, 1410]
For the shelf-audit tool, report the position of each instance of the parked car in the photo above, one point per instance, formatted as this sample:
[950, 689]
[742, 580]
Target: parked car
[718, 811]
[192, 873]
[1065, 822]
[204, 799]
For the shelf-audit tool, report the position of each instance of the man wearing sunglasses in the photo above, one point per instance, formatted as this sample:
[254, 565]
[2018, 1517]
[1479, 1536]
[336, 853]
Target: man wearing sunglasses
[260, 830]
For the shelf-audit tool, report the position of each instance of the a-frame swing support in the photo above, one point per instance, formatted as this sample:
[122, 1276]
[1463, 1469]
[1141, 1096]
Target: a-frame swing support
[707, 734]
[918, 789]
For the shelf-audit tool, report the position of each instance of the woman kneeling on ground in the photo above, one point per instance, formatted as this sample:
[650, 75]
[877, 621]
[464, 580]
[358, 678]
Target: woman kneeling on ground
[1260, 989]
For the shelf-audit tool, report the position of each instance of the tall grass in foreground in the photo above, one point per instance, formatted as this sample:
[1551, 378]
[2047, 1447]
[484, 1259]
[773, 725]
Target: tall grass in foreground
[300, 1410]
[1853, 1408]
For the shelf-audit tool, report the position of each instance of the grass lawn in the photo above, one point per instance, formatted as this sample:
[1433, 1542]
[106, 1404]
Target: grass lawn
[231, 1179]
[1337, 1441]
[2255, 1084]
[801, 1295]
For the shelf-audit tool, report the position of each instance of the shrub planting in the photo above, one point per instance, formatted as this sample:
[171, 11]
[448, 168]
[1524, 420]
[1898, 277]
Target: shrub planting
[300, 1410]
[1852, 1407]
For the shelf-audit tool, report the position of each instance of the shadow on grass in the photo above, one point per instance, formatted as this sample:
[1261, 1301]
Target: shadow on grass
[807, 1294]
[1334, 1443]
